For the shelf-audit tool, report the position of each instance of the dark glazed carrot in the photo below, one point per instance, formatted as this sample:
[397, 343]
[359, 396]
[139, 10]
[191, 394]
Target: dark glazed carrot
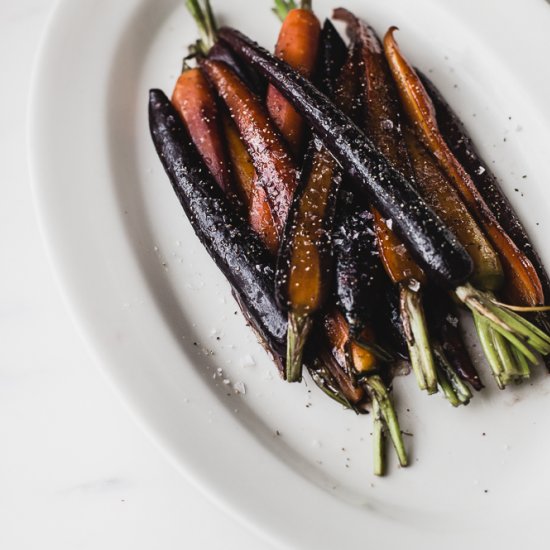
[304, 268]
[195, 101]
[522, 282]
[297, 45]
[269, 154]
[229, 240]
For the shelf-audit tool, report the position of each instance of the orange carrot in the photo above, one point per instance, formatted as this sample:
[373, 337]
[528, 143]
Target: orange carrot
[298, 44]
[249, 189]
[272, 161]
[337, 332]
[523, 285]
[261, 218]
[241, 163]
[195, 101]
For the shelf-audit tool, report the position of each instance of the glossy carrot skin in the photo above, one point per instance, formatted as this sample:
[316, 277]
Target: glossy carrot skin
[220, 52]
[297, 45]
[455, 134]
[250, 190]
[262, 220]
[381, 121]
[358, 272]
[195, 101]
[522, 282]
[434, 246]
[241, 163]
[440, 194]
[272, 160]
[303, 267]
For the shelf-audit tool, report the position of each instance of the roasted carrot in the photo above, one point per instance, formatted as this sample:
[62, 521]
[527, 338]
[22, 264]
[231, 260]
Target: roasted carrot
[241, 163]
[329, 376]
[233, 245]
[250, 190]
[229, 155]
[196, 103]
[345, 350]
[297, 45]
[272, 161]
[348, 352]
[381, 121]
[428, 239]
[220, 52]
[456, 136]
[440, 194]
[506, 337]
[304, 267]
[523, 285]
[261, 219]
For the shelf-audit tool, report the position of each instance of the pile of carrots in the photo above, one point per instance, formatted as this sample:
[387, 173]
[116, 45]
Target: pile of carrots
[346, 205]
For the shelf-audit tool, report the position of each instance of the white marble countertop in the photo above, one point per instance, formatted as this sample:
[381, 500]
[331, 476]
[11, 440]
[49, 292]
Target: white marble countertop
[75, 470]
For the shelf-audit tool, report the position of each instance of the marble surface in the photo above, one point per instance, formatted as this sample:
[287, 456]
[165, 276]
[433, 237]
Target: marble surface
[76, 472]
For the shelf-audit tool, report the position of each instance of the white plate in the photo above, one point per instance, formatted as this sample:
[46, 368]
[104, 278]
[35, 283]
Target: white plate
[144, 292]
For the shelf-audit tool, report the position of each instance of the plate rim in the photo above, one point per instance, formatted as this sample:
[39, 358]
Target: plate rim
[79, 317]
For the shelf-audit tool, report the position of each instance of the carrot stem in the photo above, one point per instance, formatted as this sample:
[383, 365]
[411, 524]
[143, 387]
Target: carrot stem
[206, 24]
[512, 369]
[447, 388]
[418, 342]
[522, 363]
[299, 326]
[282, 7]
[511, 325]
[486, 340]
[460, 391]
[210, 20]
[522, 309]
[381, 396]
[328, 384]
[378, 440]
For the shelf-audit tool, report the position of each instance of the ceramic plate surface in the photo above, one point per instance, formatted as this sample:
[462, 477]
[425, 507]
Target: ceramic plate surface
[283, 458]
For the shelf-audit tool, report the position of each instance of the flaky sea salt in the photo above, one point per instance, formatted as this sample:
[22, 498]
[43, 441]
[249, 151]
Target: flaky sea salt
[239, 387]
